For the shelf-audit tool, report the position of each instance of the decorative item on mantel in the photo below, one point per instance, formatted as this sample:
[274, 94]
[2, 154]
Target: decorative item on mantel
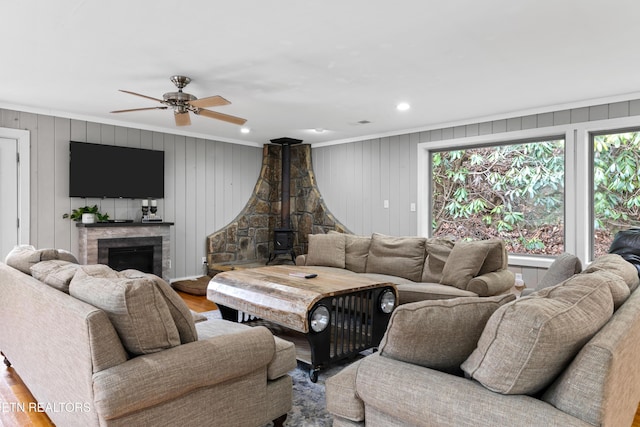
[149, 211]
[87, 215]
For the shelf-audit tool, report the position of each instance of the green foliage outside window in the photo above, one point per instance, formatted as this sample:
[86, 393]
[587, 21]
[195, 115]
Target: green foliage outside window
[516, 193]
[616, 185]
[512, 192]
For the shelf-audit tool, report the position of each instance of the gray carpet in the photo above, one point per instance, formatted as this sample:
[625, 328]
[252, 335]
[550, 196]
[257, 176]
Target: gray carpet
[309, 406]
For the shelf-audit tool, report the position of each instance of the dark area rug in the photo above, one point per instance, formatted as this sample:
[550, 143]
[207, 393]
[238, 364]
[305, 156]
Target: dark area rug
[309, 405]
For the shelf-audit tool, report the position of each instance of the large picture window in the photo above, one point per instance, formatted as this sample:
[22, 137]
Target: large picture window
[515, 192]
[616, 186]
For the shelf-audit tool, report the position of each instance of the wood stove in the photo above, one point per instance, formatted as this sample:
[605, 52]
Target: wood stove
[283, 236]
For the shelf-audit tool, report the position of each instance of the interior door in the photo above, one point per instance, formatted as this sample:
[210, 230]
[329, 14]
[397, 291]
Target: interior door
[9, 230]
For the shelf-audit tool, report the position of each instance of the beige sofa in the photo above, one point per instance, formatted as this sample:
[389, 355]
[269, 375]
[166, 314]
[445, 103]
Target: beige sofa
[422, 268]
[133, 356]
[566, 355]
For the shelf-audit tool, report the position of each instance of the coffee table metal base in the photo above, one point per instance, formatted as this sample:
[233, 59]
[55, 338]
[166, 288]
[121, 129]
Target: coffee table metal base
[357, 324]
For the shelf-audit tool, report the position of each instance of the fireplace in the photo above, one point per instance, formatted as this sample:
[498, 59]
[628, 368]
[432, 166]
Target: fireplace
[129, 244]
[139, 253]
[283, 236]
[278, 217]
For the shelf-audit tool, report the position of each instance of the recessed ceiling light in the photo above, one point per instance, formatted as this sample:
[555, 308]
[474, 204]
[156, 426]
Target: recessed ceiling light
[245, 130]
[319, 130]
[403, 106]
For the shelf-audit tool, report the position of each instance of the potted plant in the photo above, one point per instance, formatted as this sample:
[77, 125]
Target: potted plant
[87, 214]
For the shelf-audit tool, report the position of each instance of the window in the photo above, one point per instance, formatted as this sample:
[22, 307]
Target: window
[616, 186]
[513, 191]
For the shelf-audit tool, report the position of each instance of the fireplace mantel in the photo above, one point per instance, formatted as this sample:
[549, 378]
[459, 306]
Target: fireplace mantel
[91, 234]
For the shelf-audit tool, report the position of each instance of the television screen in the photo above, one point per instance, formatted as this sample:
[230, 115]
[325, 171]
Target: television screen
[97, 170]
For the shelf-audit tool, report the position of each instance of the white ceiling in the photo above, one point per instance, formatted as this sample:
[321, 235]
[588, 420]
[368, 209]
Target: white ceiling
[292, 66]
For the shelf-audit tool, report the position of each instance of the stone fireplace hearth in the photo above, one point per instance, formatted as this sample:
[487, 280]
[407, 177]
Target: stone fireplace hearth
[250, 236]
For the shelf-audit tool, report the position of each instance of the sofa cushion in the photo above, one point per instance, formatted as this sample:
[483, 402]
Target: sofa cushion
[55, 273]
[439, 334]
[564, 266]
[326, 250]
[135, 307]
[438, 251]
[356, 252]
[619, 289]
[528, 342]
[616, 265]
[397, 256]
[415, 292]
[284, 359]
[182, 316]
[22, 257]
[341, 395]
[465, 261]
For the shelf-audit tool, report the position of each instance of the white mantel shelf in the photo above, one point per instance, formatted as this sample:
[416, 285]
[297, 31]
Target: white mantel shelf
[90, 234]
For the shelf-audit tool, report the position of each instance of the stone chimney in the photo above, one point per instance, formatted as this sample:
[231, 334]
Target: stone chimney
[250, 236]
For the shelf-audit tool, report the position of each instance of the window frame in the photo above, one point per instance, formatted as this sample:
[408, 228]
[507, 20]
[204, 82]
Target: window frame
[578, 179]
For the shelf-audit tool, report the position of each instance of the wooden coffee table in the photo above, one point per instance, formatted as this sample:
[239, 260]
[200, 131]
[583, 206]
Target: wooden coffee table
[340, 315]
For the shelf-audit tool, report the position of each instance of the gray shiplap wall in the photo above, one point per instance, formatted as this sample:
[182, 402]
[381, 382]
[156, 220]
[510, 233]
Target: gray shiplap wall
[207, 183]
[356, 178]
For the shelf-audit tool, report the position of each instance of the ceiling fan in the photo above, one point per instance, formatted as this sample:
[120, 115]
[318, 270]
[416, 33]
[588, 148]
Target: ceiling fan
[182, 103]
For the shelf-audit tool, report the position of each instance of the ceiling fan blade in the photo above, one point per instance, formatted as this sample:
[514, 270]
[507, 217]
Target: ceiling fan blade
[182, 119]
[220, 116]
[139, 109]
[211, 101]
[143, 96]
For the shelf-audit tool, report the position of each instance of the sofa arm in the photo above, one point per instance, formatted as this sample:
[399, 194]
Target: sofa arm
[152, 379]
[301, 259]
[413, 394]
[493, 283]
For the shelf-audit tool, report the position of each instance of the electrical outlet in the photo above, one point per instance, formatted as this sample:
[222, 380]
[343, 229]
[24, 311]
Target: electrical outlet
[386, 204]
[412, 207]
[204, 259]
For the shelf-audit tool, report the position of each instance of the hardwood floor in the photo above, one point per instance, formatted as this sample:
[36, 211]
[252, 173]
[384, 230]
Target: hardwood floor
[14, 394]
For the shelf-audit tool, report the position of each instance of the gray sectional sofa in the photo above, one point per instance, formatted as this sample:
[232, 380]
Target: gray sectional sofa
[566, 355]
[422, 268]
[103, 348]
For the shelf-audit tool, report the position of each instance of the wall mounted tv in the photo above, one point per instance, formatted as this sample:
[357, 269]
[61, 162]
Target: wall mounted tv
[109, 171]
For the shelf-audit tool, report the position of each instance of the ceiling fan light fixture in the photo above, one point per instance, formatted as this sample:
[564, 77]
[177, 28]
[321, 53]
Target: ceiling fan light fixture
[245, 130]
[183, 103]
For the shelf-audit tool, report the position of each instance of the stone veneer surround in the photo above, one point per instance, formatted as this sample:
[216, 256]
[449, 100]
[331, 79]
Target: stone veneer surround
[249, 237]
[90, 234]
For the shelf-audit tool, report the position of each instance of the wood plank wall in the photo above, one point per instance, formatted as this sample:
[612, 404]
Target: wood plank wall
[355, 178]
[207, 183]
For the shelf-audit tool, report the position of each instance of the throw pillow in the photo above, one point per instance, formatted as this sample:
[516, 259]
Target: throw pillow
[464, 262]
[182, 316]
[527, 343]
[617, 265]
[55, 273]
[496, 257]
[135, 307]
[397, 256]
[327, 250]
[438, 251]
[439, 334]
[564, 266]
[356, 249]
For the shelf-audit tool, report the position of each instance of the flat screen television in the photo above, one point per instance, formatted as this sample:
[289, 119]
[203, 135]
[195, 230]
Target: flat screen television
[109, 171]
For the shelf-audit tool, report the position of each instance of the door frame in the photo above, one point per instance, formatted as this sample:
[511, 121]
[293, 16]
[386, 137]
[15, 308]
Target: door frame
[22, 137]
